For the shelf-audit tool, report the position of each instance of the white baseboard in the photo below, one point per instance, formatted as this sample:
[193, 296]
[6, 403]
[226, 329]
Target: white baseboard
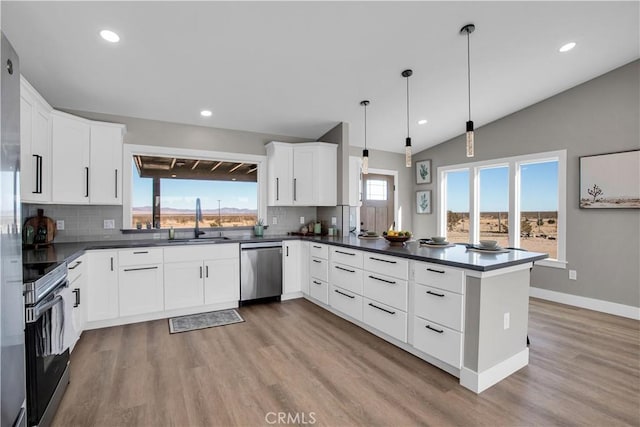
[480, 381]
[589, 303]
[291, 295]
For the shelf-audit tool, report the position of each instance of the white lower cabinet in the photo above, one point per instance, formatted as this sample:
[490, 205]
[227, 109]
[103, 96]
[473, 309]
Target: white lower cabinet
[140, 289]
[77, 278]
[437, 304]
[183, 284]
[319, 290]
[291, 271]
[346, 277]
[385, 318]
[102, 285]
[438, 341]
[391, 290]
[304, 267]
[346, 301]
[222, 280]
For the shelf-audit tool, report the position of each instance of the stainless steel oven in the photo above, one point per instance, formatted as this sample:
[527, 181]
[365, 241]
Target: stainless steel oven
[46, 351]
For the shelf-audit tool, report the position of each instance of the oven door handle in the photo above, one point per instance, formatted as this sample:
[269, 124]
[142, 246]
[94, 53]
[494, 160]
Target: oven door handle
[34, 313]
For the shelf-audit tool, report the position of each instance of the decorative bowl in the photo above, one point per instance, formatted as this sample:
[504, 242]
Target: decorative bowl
[397, 240]
[438, 239]
[489, 244]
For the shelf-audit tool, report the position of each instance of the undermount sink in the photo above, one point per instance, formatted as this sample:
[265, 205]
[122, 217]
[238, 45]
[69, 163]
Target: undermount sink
[209, 238]
[201, 239]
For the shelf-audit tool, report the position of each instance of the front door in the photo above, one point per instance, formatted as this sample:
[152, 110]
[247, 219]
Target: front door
[376, 212]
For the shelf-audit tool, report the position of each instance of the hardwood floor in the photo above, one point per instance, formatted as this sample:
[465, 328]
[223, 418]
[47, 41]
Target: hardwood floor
[297, 358]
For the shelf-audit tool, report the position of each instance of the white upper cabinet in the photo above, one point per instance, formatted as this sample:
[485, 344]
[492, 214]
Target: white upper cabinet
[35, 146]
[105, 166]
[70, 155]
[355, 181]
[302, 174]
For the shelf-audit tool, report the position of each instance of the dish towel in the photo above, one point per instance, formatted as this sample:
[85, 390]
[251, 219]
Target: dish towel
[57, 328]
[69, 331]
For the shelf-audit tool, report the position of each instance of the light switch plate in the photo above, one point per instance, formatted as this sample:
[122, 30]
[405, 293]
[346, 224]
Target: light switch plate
[301, 220]
[334, 220]
[60, 224]
[109, 224]
[274, 220]
[573, 275]
[507, 320]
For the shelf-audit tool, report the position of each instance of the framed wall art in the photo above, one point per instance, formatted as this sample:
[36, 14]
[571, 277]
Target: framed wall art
[423, 202]
[610, 181]
[423, 172]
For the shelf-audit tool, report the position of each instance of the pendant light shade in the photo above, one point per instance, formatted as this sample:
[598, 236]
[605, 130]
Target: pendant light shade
[467, 30]
[365, 152]
[407, 145]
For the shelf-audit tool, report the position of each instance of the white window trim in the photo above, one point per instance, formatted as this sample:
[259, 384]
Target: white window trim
[514, 200]
[129, 150]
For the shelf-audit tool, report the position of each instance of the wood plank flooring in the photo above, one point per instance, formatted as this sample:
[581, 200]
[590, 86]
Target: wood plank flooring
[297, 358]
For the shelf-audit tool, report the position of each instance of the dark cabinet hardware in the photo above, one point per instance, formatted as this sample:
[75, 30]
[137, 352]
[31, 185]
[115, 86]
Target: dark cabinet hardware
[435, 271]
[317, 283]
[77, 301]
[315, 260]
[75, 265]
[206, 271]
[383, 280]
[201, 272]
[345, 253]
[435, 294]
[295, 181]
[383, 260]
[111, 263]
[434, 329]
[38, 174]
[116, 183]
[277, 188]
[382, 309]
[317, 247]
[86, 170]
[342, 293]
[140, 252]
[148, 268]
[287, 250]
[345, 269]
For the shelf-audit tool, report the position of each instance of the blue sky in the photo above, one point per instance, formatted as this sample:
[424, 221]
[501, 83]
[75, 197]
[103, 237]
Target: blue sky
[182, 193]
[539, 189]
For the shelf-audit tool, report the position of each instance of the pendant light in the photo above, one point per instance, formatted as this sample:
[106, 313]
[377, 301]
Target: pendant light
[365, 152]
[468, 29]
[407, 145]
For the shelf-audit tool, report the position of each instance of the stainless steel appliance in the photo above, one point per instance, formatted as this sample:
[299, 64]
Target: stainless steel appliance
[260, 271]
[12, 375]
[47, 350]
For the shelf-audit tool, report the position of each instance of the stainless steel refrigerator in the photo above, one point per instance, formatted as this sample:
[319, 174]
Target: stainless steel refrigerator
[12, 365]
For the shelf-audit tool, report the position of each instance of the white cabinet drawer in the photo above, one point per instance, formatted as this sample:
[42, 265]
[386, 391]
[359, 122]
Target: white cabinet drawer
[346, 256]
[387, 319]
[319, 268]
[346, 277]
[188, 253]
[319, 290]
[438, 341]
[439, 305]
[319, 250]
[388, 290]
[346, 302]
[387, 265]
[439, 276]
[76, 269]
[139, 256]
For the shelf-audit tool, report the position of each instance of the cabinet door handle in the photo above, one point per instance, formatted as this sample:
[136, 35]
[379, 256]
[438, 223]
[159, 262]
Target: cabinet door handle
[383, 280]
[75, 265]
[277, 188]
[434, 329]
[435, 294]
[206, 271]
[295, 181]
[111, 263]
[319, 262]
[382, 309]
[77, 301]
[86, 170]
[345, 253]
[383, 260]
[435, 271]
[148, 268]
[201, 272]
[38, 174]
[344, 269]
[140, 252]
[287, 250]
[317, 283]
[116, 187]
[342, 293]
[317, 247]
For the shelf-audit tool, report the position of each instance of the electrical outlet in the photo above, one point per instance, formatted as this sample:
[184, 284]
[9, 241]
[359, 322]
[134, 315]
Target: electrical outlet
[507, 319]
[274, 221]
[109, 224]
[334, 220]
[60, 224]
[301, 220]
[573, 275]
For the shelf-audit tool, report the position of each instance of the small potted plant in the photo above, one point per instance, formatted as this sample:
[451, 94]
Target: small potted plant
[258, 229]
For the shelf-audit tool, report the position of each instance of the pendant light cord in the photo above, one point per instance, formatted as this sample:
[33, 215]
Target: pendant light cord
[365, 126]
[469, 73]
[407, 106]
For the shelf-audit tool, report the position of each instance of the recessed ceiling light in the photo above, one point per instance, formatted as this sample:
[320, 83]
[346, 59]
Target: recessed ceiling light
[205, 113]
[422, 122]
[110, 36]
[567, 47]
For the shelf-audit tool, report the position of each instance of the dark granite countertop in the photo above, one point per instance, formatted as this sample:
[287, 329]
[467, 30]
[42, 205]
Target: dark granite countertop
[455, 256]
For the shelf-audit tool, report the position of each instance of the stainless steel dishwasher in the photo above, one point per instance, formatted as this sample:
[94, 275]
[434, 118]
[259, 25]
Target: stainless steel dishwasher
[260, 271]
